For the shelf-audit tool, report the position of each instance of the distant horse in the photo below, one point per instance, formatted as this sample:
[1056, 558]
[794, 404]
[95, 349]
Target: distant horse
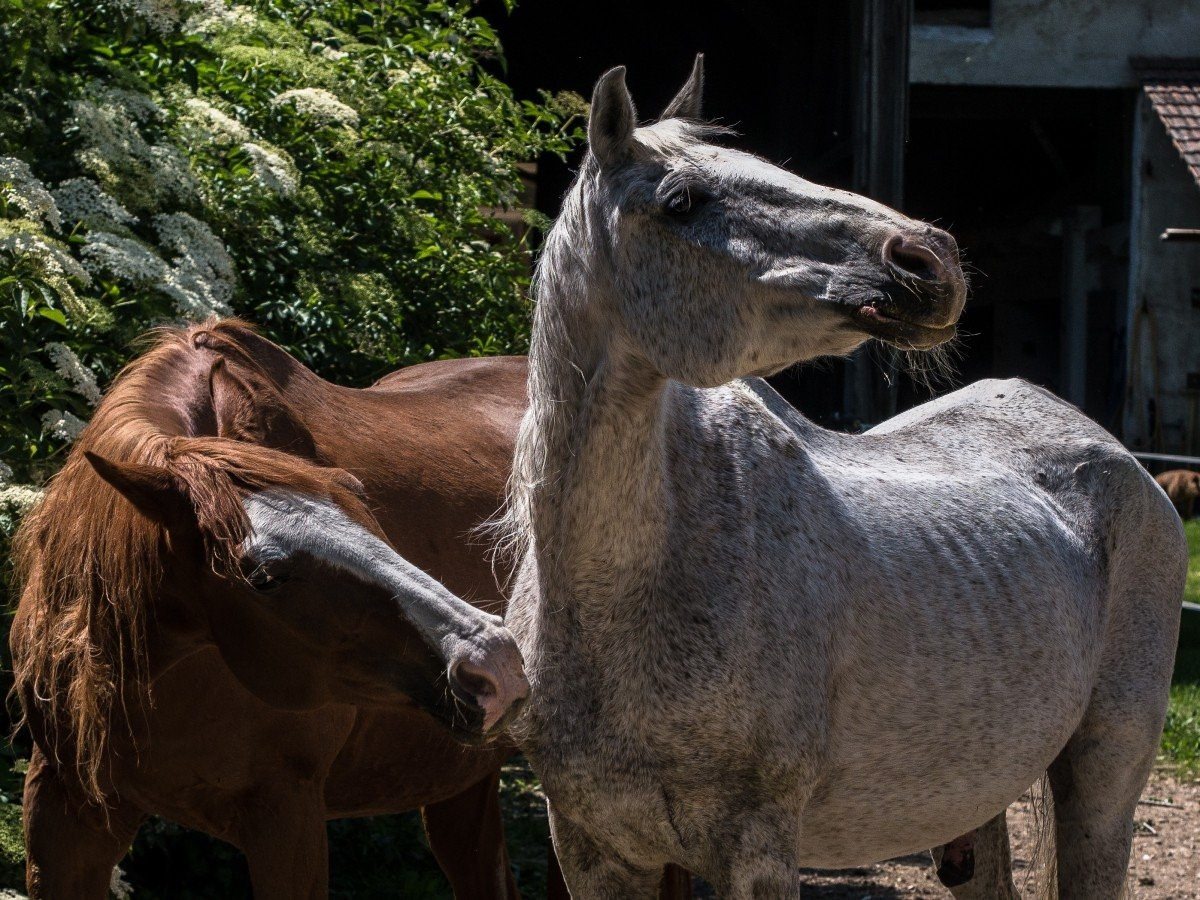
[757, 645]
[1183, 488]
[199, 568]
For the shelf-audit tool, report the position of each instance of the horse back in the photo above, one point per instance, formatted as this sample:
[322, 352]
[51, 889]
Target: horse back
[1057, 454]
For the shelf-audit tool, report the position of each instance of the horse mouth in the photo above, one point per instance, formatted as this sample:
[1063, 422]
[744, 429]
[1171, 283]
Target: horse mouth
[890, 326]
[464, 720]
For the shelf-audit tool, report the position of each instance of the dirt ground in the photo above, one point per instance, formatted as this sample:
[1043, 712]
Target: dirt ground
[1165, 864]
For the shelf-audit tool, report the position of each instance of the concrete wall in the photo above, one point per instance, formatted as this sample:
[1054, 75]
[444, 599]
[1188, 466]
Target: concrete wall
[1165, 275]
[1056, 43]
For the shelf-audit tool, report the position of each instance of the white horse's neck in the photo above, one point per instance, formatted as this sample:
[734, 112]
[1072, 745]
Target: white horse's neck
[591, 453]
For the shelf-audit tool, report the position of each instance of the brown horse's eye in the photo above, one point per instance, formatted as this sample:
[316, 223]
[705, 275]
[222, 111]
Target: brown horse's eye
[265, 581]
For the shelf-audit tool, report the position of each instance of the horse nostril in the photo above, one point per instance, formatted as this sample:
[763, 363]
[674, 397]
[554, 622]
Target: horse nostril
[495, 684]
[913, 260]
[476, 681]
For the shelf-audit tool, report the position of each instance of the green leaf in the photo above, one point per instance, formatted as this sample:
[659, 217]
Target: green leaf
[53, 315]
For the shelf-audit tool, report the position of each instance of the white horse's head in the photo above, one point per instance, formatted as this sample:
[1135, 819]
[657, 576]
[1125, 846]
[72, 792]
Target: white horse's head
[714, 264]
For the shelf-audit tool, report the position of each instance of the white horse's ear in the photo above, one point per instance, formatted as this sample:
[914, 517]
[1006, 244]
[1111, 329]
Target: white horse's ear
[612, 118]
[688, 102]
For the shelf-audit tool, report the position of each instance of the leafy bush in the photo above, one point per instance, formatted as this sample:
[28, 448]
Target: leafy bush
[324, 167]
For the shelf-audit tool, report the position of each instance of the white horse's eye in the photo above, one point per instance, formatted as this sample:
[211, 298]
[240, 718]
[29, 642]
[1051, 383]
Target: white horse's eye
[685, 200]
[679, 203]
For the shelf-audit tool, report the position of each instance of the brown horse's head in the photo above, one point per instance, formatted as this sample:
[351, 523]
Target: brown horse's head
[306, 600]
[274, 558]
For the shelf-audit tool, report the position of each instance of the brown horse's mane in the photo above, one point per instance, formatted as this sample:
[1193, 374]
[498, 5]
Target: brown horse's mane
[89, 565]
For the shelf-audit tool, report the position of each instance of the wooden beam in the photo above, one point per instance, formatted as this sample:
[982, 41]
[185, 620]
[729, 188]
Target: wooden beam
[1181, 235]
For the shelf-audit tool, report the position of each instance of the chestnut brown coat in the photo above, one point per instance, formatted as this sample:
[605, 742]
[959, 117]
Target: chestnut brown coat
[1183, 487]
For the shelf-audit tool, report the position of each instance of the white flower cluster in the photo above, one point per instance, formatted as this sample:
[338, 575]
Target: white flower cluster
[47, 253]
[83, 200]
[65, 426]
[201, 279]
[203, 119]
[138, 106]
[173, 174]
[71, 368]
[163, 16]
[320, 104]
[16, 499]
[20, 187]
[117, 154]
[215, 15]
[52, 263]
[273, 168]
[124, 258]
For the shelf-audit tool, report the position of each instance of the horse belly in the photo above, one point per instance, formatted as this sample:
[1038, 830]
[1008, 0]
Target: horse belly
[930, 772]
[854, 827]
[930, 738]
[912, 791]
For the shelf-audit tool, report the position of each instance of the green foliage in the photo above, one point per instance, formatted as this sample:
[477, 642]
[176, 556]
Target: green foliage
[12, 847]
[1181, 736]
[330, 169]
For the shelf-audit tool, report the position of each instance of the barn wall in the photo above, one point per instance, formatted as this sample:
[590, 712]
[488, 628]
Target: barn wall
[1165, 276]
[1056, 43]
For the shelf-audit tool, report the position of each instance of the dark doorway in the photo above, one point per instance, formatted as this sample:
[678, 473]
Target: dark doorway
[1017, 174]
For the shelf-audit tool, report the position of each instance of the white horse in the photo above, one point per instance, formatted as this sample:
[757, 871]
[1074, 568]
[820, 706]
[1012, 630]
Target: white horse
[757, 645]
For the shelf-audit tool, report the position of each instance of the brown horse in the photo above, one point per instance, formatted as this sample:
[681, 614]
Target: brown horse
[1183, 489]
[230, 639]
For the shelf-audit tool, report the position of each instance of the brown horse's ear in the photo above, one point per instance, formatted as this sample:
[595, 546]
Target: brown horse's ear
[349, 482]
[250, 409]
[688, 102]
[151, 489]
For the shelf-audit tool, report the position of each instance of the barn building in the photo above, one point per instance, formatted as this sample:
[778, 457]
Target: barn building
[1059, 140]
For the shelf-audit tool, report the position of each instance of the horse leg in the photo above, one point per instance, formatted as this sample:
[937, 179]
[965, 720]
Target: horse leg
[591, 873]
[70, 846]
[466, 835]
[676, 883]
[763, 864]
[988, 873]
[1096, 781]
[282, 833]
[1099, 775]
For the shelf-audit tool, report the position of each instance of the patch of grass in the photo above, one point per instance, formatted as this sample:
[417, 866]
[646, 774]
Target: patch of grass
[1191, 590]
[1181, 737]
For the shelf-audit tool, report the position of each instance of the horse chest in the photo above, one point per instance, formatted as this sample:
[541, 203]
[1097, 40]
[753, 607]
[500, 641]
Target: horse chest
[611, 790]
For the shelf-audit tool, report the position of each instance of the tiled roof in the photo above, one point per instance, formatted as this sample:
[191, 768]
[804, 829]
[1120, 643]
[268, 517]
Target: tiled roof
[1174, 91]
